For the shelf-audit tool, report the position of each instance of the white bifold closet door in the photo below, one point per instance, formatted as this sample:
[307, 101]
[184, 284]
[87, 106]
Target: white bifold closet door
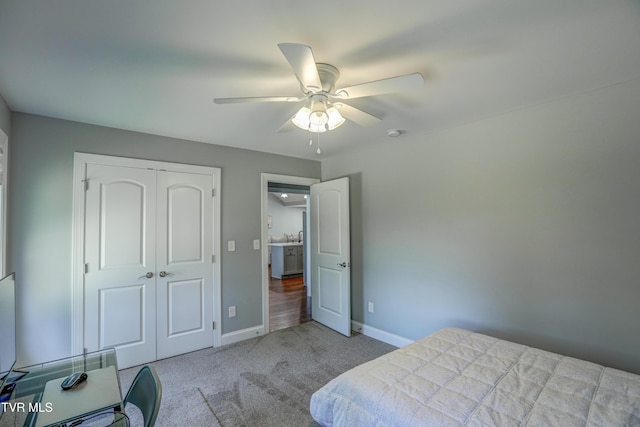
[148, 251]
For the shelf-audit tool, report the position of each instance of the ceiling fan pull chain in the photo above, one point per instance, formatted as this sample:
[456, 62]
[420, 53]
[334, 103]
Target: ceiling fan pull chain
[310, 136]
[318, 150]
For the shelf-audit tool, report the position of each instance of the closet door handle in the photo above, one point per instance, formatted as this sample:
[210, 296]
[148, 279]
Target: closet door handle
[164, 274]
[149, 275]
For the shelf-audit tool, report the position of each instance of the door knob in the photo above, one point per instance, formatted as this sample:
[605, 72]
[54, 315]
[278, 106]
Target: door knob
[149, 275]
[342, 264]
[164, 274]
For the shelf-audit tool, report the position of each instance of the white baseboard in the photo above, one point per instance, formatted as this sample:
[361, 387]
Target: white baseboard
[244, 334]
[370, 331]
[380, 335]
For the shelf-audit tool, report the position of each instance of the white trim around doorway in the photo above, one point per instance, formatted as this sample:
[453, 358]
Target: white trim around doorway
[264, 205]
[4, 146]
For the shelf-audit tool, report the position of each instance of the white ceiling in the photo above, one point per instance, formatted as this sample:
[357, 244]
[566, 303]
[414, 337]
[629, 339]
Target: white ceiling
[292, 200]
[155, 66]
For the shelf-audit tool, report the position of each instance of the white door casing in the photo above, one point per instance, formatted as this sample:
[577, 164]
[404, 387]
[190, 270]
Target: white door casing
[4, 179]
[266, 178]
[330, 255]
[145, 318]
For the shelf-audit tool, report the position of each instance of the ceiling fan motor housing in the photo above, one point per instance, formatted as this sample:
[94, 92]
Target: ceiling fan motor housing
[328, 76]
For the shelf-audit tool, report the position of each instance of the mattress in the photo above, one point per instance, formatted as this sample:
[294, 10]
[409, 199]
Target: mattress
[455, 377]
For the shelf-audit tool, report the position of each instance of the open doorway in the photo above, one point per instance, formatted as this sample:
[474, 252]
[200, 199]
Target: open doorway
[289, 295]
[286, 282]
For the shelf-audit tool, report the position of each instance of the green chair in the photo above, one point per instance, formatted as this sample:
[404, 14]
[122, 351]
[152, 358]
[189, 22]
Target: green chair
[145, 393]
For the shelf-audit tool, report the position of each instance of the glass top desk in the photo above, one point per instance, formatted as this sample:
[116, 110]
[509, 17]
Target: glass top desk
[37, 399]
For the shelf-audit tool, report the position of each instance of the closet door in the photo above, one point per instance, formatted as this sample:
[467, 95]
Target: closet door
[184, 263]
[148, 281]
[120, 262]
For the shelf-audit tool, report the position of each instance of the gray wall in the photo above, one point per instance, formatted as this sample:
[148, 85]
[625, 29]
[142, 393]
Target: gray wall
[40, 219]
[525, 225]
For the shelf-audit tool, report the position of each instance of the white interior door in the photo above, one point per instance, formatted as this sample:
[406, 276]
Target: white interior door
[184, 257]
[331, 255]
[120, 241]
[149, 277]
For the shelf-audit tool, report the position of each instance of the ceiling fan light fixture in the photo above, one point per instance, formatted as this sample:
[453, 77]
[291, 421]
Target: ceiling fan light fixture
[318, 118]
[301, 119]
[335, 118]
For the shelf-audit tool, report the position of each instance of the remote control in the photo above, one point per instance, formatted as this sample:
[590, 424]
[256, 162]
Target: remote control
[73, 380]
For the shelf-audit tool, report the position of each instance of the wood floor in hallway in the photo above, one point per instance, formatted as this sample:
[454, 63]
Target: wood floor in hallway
[288, 303]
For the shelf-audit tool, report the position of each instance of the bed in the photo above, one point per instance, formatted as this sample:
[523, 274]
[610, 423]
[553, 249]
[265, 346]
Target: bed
[456, 377]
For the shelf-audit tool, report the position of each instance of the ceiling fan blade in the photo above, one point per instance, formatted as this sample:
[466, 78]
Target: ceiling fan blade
[257, 99]
[287, 126]
[356, 115]
[301, 59]
[392, 84]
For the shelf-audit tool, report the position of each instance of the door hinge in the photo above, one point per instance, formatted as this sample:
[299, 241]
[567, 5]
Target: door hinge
[213, 259]
[86, 267]
[213, 192]
[213, 325]
[86, 184]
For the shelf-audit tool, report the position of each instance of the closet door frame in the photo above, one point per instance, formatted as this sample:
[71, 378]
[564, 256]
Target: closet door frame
[80, 162]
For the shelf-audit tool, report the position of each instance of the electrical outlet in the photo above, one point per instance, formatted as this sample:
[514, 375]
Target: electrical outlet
[232, 311]
[256, 244]
[370, 307]
[231, 245]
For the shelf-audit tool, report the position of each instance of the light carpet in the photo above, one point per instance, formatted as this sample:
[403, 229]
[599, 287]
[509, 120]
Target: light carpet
[264, 381]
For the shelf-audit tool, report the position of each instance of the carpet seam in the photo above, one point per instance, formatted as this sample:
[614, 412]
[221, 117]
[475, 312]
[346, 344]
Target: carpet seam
[209, 406]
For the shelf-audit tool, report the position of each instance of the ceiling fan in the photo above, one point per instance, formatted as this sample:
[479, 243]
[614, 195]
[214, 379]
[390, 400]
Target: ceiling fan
[324, 109]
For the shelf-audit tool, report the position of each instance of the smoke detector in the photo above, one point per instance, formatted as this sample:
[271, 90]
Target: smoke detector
[394, 133]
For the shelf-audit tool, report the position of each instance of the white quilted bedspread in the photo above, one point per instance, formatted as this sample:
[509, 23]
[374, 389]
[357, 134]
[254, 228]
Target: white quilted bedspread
[455, 377]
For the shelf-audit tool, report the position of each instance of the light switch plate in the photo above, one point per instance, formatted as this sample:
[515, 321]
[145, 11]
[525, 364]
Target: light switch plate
[231, 245]
[256, 244]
